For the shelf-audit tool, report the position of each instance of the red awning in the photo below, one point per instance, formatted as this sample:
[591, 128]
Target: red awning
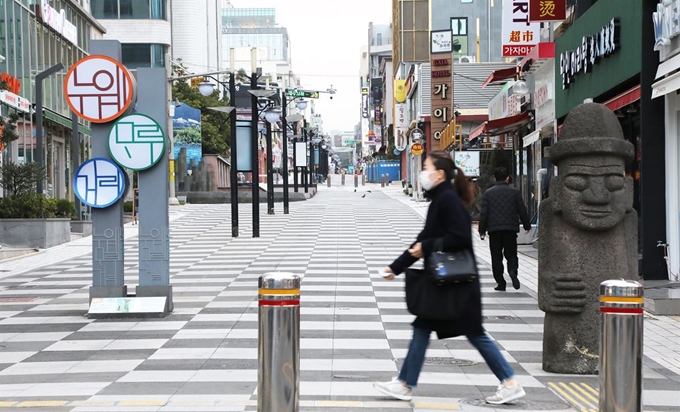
[479, 130]
[542, 53]
[501, 75]
[624, 99]
[506, 124]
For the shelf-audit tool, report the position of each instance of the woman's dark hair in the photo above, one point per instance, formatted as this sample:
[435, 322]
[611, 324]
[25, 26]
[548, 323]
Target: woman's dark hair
[443, 161]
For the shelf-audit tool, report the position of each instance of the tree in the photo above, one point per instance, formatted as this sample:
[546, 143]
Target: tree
[215, 128]
[8, 126]
[20, 179]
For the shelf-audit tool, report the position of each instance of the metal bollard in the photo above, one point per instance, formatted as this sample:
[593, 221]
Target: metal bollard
[382, 180]
[356, 180]
[363, 179]
[329, 181]
[343, 179]
[278, 376]
[621, 342]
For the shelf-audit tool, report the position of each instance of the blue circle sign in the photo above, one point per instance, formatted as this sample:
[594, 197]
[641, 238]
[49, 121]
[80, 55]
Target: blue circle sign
[99, 183]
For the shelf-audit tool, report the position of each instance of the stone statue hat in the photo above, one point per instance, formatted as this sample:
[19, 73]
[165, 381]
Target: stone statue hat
[591, 129]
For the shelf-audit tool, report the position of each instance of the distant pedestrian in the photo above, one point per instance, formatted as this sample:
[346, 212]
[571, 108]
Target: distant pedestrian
[502, 211]
[448, 221]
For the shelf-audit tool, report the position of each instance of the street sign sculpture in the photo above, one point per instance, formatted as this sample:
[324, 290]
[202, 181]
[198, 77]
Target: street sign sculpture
[307, 94]
[102, 90]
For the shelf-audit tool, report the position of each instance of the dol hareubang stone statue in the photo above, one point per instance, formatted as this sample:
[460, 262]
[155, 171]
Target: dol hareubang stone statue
[588, 234]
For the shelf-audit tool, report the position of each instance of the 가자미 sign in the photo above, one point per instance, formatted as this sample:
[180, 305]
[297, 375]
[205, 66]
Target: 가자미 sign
[519, 34]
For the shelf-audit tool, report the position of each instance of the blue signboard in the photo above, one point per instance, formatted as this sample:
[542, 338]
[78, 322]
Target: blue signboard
[186, 130]
[99, 183]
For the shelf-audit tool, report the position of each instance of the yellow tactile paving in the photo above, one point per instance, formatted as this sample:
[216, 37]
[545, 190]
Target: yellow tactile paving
[437, 406]
[581, 396]
[41, 404]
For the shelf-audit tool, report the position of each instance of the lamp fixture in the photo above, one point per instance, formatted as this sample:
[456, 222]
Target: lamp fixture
[520, 88]
[294, 118]
[272, 115]
[259, 93]
[222, 109]
[301, 104]
[206, 88]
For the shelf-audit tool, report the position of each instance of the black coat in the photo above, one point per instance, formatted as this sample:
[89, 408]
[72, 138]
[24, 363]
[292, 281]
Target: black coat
[448, 220]
[502, 210]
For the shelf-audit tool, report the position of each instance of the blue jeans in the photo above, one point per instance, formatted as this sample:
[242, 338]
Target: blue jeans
[415, 358]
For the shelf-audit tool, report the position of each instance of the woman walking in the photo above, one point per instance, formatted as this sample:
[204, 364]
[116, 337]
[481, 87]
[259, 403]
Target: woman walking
[448, 222]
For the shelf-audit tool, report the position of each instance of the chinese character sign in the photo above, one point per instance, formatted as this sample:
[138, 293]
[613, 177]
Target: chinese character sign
[547, 10]
[519, 34]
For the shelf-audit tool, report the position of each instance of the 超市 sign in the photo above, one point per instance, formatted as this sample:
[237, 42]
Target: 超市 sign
[136, 142]
[591, 50]
[99, 89]
[99, 183]
[666, 20]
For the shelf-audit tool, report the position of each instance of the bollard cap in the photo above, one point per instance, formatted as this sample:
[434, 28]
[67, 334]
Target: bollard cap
[621, 297]
[279, 281]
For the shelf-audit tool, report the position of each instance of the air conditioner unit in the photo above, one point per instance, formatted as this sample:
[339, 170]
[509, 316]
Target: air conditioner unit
[466, 59]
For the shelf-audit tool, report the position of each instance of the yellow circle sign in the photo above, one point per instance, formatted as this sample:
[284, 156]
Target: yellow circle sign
[417, 149]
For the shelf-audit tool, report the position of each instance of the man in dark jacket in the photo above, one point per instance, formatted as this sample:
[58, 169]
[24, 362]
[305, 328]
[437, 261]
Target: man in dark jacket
[502, 211]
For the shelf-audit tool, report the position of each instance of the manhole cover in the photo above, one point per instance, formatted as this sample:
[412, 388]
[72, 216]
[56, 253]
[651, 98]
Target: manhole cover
[443, 362]
[498, 318]
[349, 377]
[525, 405]
[11, 299]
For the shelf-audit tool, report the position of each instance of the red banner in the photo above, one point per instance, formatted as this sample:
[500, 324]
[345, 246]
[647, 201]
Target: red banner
[547, 10]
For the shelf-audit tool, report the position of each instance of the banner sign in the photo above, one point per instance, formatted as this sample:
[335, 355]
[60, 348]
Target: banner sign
[547, 10]
[519, 34]
[364, 102]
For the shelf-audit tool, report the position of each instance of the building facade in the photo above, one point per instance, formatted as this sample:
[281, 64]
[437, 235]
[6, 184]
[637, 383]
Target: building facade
[37, 36]
[245, 28]
[142, 27]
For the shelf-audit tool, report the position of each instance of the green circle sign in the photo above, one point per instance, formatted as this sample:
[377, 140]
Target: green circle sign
[136, 142]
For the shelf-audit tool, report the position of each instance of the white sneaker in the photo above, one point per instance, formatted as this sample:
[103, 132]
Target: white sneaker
[395, 389]
[505, 394]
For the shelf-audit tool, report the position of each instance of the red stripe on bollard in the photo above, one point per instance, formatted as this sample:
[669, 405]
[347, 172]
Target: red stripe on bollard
[622, 310]
[280, 302]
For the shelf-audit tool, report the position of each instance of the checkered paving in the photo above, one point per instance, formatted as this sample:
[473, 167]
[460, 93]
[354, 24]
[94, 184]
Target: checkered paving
[355, 327]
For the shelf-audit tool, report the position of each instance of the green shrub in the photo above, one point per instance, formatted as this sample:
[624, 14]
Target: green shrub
[31, 206]
[65, 208]
[127, 207]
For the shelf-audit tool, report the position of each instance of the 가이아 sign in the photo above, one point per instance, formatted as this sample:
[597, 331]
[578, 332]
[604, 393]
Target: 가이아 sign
[589, 53]
[520, 35]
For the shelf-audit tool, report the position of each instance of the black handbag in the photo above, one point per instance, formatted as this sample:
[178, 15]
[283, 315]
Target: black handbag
[451, 267]
[428, 300]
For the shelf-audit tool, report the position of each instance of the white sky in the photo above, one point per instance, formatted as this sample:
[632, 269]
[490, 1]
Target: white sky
[326, 38]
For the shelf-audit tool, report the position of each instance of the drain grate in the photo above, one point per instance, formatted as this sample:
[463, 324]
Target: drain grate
[443, 362]
[518, 405]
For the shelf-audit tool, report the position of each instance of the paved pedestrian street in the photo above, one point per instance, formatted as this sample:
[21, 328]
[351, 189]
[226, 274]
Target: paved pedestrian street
[355, 327]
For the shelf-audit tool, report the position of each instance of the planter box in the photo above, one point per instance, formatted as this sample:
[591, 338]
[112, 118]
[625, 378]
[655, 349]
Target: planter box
[82, 226]
[34, 233]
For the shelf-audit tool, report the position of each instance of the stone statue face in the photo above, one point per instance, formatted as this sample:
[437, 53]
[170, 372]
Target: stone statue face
[594, 193]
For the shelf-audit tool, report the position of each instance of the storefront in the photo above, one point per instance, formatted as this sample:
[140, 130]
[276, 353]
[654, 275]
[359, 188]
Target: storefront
[665, 89]
[44, 34]
[599, 57]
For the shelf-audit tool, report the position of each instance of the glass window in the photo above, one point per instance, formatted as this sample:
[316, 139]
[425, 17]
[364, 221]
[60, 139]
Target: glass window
[158, 9]
[136, 55]
[459, 26]
[157, 55]
[135, 9]
[104, 9]
[466, 1]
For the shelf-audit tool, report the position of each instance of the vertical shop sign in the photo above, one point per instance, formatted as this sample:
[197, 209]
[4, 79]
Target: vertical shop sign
[520, 35]
[442, 96]
[547, 10]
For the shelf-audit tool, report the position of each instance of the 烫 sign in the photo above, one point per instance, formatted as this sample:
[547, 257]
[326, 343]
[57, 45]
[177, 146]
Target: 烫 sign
[547, 10]
[136, 142]
[519, 34]
[99, 89]
[99, 183]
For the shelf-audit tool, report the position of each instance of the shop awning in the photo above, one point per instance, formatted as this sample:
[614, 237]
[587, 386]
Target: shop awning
[479, 130]
[506, 124]
[666, 85]
[624, 99]
[500, 76]
[543, 53]
[65, 121]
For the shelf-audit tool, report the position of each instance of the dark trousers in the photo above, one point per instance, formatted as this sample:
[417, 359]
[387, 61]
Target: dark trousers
[503, 243]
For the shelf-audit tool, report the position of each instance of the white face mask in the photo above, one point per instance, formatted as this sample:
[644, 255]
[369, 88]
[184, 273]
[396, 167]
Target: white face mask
[425, 181]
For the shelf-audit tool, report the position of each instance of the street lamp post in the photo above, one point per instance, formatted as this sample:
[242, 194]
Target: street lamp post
[39, 117]
[271, 116]
[284, 144]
